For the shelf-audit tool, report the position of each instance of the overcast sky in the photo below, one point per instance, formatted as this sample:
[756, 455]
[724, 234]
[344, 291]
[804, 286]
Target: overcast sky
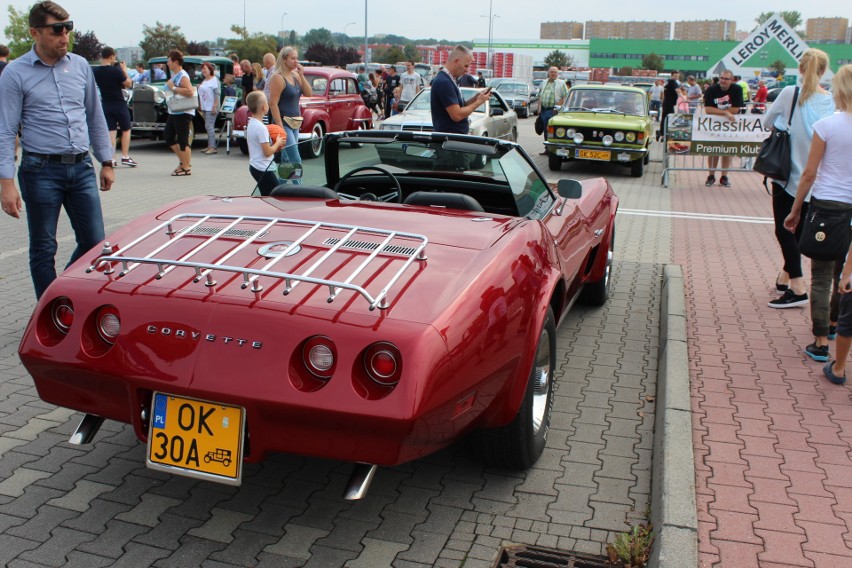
[119, 22]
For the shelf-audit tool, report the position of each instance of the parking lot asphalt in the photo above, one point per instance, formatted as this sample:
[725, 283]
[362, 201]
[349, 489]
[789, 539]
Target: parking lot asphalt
[97, 505]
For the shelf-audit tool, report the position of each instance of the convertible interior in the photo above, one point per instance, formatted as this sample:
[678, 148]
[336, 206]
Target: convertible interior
[466, 176]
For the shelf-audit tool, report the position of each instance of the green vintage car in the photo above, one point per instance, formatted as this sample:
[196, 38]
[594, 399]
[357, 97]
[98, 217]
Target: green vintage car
[147, 101]
[608, 123]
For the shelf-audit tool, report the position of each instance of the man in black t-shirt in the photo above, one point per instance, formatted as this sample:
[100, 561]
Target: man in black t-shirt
[670, 91]
[450, 111]
[111, 78]
[247, 79]
[723, 99]
[391, 83]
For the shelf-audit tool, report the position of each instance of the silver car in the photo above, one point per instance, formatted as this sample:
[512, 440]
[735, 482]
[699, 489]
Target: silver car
[494, 119]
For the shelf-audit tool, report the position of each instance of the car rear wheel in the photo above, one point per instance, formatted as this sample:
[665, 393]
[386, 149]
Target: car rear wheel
[554, 162]
[191, 137]
[314, 148]
[596, 293]
[361, 126]
[519, 444]
[637, 167]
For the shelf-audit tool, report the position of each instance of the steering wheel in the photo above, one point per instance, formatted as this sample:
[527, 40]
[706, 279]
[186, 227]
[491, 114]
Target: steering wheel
[372, 196]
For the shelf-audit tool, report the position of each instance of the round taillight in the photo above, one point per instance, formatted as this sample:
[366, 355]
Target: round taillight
[383, 364]
[320, 356]
[62, 314]
[108, 324]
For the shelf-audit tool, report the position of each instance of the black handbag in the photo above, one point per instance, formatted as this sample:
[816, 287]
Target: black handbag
[826, 233]
[773, 160]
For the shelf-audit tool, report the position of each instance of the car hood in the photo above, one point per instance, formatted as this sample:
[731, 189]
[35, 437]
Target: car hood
[410, 117]
[599, 119]
[461, 247]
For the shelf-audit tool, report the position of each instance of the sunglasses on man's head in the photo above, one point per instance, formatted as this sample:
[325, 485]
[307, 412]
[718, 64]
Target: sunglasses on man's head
[59, 26]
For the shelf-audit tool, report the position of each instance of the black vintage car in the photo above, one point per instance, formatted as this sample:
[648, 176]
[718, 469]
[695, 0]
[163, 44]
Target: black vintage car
[148, 101]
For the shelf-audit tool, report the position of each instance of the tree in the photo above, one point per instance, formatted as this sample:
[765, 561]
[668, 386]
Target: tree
[346, 55]
[251, 47]
[321, 52]
[294, 39]
[778, 66]
[653, 61]
[558, 59]
[792, 17]
[160, 39]
[392, 54]
[194, 48]
[18, 32]
[411, 52]
[318, 35]
[87, 46]
[625, 71]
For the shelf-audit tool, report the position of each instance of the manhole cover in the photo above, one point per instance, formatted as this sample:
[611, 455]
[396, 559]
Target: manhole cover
[522, 556]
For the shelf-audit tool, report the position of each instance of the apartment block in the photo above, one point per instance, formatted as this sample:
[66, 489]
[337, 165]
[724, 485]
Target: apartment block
[561, 30]
[706, 30]
[827, 30]
[628, 30]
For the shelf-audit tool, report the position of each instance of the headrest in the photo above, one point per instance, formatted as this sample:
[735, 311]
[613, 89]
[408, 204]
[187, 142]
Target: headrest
[315, 191]
[441, 199]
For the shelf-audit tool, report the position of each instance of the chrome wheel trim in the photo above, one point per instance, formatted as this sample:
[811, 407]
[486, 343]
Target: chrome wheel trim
[542, 382]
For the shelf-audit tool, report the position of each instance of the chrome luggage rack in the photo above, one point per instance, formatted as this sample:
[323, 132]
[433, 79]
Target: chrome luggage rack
[390, 245]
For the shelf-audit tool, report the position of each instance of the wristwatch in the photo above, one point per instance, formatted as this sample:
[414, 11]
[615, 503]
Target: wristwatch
[108, 164]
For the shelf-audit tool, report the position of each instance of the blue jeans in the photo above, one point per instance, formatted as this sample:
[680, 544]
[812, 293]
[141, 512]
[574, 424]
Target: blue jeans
[546, 115]
[290, 151]
[47, 187]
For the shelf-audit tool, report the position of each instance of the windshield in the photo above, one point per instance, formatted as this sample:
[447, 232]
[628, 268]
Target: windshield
[500, 177]
[517, 88]
[423, 100]
[599, 100]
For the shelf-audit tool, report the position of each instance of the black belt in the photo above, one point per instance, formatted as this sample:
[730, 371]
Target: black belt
[61, 158]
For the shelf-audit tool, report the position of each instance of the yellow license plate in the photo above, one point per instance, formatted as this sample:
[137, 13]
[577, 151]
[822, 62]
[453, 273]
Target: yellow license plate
[196, 438]
[593, 154]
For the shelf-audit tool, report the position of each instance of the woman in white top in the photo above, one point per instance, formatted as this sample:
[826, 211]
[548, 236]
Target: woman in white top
[208, 98]
[828, 176]
[813, 103]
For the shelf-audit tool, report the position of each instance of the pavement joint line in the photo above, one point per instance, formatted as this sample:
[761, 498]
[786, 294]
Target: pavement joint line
[728, 219]
[673, 502]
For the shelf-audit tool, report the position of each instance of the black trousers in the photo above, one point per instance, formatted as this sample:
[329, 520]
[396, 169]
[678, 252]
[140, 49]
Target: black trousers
[782, 203]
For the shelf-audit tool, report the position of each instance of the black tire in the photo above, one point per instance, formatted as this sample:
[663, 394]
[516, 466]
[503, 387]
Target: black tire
[519, 444]
[313, 149]
[361, 126]
[243, 144]
[554, 162]
[596, 293]
[647, 159]
[191, 138]
[637, 167]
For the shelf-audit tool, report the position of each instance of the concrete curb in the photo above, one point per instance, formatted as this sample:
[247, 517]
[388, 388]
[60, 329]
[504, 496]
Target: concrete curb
[673, 509]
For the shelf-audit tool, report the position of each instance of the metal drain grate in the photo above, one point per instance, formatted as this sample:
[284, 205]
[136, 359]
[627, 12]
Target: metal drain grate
[211, 231]
[366, 245]
[522, 556]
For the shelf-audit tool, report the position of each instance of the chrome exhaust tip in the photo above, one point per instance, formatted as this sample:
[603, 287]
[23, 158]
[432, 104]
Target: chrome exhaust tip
[359, 481]
[85, 432]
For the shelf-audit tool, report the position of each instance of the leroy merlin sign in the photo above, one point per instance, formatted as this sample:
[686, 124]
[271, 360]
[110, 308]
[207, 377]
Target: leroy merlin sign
[771, 40]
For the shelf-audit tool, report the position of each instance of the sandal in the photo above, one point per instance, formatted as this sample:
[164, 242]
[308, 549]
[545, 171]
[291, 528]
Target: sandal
[180, 172]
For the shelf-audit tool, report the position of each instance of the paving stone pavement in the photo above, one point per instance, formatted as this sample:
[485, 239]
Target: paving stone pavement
[97, 505]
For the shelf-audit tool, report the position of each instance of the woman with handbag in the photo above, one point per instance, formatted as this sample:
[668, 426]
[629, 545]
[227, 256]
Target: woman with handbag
[287, 84]
[828, 176]
[807, 105]
[208, 98]
[176, 132]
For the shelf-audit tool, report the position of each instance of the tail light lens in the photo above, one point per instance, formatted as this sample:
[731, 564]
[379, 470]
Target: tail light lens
[108, 324]
[62, 314]
[383, 364]
[320, 357]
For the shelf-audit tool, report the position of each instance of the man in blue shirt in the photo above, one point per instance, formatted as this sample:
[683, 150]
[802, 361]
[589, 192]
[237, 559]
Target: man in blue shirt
[52, 94]
[450, 111]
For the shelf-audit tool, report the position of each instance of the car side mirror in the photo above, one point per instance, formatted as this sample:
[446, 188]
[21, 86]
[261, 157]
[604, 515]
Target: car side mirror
[569, 188]
[496, 112]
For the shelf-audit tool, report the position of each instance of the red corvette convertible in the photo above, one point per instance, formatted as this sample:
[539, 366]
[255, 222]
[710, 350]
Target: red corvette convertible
[408, 298]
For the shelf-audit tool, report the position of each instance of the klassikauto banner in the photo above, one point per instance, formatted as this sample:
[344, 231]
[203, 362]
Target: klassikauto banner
[712, 135]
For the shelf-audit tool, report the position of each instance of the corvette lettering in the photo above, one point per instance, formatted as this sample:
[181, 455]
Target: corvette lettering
[197, 335]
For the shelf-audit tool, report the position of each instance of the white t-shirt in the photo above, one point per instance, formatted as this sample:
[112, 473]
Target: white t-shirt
[834, 176]
[409, 82]
[208, 90]
[656, 92]
[256, 135]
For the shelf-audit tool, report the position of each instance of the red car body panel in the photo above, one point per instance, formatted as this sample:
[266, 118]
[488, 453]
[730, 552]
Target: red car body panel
[462, 320]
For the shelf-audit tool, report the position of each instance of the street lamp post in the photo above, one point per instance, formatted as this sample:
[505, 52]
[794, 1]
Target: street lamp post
[366, 46]
[491, 16]
[346, 27]
[283, 41]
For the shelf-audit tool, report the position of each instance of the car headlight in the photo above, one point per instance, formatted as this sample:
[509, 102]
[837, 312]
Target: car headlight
[631, 136]
[560, 132]
[578, 138]
[159, 97]
[571, 132]
[607, 140]
[619, 136]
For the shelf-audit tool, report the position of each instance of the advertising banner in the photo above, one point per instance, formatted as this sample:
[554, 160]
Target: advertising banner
[712, 135]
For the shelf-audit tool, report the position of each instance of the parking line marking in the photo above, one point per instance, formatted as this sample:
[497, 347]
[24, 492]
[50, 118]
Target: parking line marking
[698, 216]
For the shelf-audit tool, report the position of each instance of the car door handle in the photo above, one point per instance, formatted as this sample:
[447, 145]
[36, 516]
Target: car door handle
[598, 233]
